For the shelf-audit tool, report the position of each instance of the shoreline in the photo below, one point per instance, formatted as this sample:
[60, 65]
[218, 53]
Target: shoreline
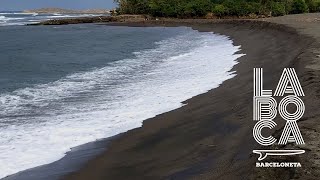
[182, 144]
[196, 136]
[73, 160]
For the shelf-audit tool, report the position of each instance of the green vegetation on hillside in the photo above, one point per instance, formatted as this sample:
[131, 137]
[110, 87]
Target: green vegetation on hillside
[219, 8]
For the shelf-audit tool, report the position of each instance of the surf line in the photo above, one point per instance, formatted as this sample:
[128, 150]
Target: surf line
[266, 108]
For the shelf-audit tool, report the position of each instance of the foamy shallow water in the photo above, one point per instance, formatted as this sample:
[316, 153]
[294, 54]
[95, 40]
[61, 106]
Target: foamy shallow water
[20, 18]
[122, 95]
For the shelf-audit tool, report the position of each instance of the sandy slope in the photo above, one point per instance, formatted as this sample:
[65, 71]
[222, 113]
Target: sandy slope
[210, 138]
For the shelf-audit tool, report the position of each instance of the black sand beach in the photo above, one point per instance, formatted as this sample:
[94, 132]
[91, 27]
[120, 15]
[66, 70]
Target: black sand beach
[211, 137]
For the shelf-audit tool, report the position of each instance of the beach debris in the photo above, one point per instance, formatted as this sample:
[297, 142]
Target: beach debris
[212, 145]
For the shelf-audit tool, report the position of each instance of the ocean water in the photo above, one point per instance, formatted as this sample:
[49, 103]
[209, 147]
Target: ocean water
[8, 18]
[63, 86]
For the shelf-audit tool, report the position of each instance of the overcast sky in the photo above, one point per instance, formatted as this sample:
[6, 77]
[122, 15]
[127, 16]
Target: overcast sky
[11, 5]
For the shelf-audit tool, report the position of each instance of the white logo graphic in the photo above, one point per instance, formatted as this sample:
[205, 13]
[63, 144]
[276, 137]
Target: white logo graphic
[266, 108]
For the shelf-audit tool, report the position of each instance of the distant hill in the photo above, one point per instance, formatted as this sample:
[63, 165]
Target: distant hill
[67, 11]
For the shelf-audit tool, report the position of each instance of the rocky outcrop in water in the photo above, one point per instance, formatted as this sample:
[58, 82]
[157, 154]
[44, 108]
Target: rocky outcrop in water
[96, 19]
[67, 11]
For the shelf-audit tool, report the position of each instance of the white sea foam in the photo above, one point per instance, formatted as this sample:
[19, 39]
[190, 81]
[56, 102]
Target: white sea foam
[13, 24]
[4, 18]
[16, 18]
[19, 13]
[40, 124]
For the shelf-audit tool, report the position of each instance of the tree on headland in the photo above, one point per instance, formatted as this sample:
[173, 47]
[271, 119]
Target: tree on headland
[299, 6]
[313, 5]
[219, 8]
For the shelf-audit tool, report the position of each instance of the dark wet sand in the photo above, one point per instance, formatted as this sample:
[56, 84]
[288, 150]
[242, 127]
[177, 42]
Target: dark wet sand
[211, 137]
